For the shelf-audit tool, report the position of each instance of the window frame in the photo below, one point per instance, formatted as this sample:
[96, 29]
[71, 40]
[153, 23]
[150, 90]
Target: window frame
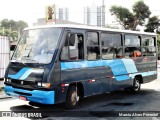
[111, 46]
[155, 46]
[140, 39]
[65, 37]
[86, 45]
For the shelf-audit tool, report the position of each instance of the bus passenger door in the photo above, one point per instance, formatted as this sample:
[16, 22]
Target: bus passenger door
[72, 59]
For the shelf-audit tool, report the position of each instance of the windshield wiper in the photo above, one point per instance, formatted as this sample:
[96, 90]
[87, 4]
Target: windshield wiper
[33, 61]
[19, 61]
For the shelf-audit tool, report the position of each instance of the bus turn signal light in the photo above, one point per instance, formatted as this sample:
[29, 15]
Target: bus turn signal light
[46, 85]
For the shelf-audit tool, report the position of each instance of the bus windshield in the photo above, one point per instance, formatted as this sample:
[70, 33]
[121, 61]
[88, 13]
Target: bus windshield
[37, 45]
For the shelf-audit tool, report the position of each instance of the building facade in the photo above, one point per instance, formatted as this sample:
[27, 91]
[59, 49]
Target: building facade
[94, 15]
[62, 14]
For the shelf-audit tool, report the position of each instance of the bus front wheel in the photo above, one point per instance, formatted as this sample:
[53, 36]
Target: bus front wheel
[72, 99]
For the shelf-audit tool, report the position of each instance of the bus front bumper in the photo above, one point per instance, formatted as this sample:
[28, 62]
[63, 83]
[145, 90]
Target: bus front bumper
[38, 96]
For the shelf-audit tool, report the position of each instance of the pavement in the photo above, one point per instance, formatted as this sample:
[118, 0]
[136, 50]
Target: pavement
[158, 62]
[4, 96]
[1, 83]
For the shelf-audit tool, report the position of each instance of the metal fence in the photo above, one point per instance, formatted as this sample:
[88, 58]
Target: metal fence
[4, 54]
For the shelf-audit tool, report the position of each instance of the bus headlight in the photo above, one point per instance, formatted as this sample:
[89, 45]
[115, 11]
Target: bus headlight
[46, 85]
[39, 84]
[8, 80]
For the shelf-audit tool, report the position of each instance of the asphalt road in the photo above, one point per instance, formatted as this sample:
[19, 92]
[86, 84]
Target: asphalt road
[97, 107]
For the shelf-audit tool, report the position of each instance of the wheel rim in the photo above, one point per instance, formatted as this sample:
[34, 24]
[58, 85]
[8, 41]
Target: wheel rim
[74, 98]
[136, 85]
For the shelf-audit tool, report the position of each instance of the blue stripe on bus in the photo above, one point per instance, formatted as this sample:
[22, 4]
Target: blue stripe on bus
[144, 74]
[122, 77]
[26, 74]
[118, 66]
[130, 65]
[149, 73]
[19, 74]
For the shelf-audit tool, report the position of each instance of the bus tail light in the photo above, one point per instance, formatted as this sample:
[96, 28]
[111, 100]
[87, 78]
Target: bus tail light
[111, 77]
[90, 81]
[64, 85]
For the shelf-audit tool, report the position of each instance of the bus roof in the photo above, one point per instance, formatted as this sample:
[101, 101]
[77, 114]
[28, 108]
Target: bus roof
[91, 28]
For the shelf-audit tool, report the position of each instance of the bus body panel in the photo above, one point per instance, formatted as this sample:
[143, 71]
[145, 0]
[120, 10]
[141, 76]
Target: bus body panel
[55, 80]
[100, 76]
[39, 96]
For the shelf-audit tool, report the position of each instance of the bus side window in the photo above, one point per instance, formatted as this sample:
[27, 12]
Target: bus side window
[73, 48]
[93, 50]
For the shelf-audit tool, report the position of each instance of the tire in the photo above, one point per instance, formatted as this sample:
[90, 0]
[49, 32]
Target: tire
[136, 85]
[36, 104]
[72, 99]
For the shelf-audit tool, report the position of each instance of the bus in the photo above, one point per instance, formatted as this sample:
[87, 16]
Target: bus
[64, 63]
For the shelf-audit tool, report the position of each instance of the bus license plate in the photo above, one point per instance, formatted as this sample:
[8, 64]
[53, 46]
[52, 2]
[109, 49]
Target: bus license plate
[22, 98]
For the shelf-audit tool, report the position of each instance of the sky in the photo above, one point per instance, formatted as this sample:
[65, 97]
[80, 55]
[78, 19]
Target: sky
[30, 10]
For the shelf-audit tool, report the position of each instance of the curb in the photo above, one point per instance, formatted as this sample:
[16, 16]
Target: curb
[5, 96]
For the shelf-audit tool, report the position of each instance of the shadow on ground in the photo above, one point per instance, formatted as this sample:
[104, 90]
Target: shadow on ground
[104, 105]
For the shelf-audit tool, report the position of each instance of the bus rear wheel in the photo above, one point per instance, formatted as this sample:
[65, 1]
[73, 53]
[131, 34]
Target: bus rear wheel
[136, 85]
[72, 99]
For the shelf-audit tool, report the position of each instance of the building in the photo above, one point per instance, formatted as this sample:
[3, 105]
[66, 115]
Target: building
[95, 15]
[62, 14]
[87, 16]
[62, 17]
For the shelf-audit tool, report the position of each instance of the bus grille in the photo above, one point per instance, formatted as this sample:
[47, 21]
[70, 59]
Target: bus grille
[24, 83]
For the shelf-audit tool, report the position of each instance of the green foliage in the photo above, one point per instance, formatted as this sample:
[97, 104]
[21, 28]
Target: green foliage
[131, 20]
[21, 25]
[12, 28]
[110, 26]
[158, 42]
[141, 11]
[153, 23]
[123, 15]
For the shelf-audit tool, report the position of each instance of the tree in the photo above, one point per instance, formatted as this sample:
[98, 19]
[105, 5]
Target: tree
[13, 25]
[123, 15]
[21, 25]
[112, 27]
[153, 24]
[158, 42]
[5, 23]
[12, 28]
[131, 20]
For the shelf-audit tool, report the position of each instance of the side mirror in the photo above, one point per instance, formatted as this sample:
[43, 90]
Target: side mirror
[72, 40]
[67, 39]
